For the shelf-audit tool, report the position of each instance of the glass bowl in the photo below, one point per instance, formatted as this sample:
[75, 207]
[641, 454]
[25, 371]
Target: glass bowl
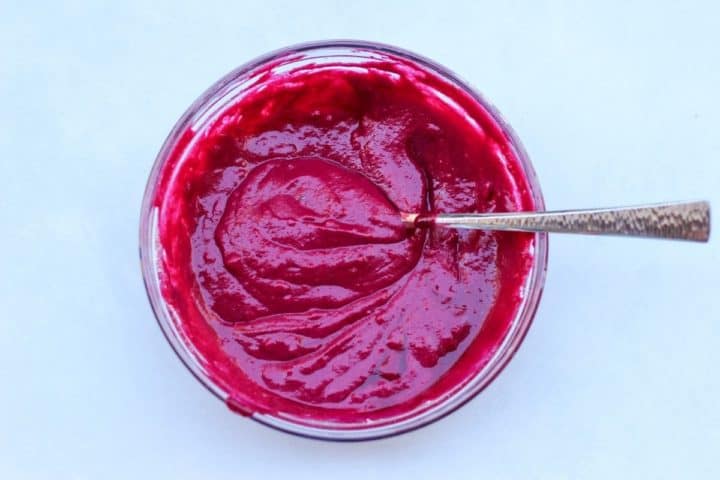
[199, 113]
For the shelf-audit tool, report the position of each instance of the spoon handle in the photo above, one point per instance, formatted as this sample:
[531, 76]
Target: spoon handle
[680, 221]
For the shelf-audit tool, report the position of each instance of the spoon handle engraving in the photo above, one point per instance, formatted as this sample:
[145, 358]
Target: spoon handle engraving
[679, 221]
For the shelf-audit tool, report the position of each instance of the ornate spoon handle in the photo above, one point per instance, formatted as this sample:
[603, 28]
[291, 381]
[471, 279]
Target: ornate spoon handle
[680, 221]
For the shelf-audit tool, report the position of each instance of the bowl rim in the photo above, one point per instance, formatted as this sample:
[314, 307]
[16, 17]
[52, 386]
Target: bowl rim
[149, 248]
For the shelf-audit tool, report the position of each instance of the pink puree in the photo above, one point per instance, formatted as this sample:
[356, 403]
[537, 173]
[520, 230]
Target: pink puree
[287, 265]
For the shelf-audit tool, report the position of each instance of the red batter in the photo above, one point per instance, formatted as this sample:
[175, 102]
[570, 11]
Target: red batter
[285, 259]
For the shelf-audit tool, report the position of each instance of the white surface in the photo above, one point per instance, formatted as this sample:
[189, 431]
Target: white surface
[616, 104]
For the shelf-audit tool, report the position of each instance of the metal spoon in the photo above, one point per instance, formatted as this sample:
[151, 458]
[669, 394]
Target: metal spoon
[677, 221]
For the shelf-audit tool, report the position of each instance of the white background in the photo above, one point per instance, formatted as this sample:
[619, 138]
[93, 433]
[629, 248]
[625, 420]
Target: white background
[616, 103]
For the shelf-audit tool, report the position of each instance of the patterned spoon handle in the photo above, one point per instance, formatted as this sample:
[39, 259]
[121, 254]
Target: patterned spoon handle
[680, 221]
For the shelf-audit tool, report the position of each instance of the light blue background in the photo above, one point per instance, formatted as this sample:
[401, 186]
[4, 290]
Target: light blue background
[616, 103]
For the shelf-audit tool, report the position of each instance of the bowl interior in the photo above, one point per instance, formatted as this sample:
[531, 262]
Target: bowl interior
[204, 110]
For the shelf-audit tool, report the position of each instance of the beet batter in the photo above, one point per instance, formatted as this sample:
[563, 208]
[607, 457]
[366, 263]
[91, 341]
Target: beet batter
[287, 265]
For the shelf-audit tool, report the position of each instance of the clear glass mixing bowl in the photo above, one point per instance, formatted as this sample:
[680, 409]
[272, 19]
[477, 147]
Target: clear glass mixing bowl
[199, 113]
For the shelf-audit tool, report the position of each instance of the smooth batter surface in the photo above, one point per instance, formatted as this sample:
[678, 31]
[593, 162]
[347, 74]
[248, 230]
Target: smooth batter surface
[287, 265]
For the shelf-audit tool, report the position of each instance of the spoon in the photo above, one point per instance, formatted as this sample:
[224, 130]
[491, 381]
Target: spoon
[676, 221]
